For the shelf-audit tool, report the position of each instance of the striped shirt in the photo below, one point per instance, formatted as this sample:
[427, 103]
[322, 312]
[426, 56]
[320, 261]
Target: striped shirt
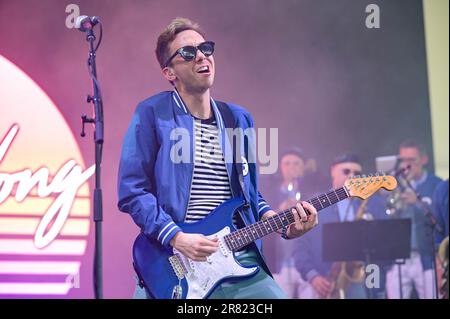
[210, 184]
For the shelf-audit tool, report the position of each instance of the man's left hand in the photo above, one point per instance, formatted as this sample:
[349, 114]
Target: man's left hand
[409, 197]
[303, 222]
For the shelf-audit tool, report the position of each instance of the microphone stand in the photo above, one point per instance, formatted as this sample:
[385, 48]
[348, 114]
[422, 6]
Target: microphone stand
[399, 262]
[434, 226]
[98, 122]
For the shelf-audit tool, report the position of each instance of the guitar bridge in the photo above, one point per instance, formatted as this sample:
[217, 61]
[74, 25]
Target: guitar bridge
[178, 266]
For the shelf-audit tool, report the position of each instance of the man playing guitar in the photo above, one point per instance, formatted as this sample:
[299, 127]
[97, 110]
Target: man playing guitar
[160, 188]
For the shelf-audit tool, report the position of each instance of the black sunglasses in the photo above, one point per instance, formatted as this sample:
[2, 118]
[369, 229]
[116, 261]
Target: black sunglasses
[348, 171]
[189, 52]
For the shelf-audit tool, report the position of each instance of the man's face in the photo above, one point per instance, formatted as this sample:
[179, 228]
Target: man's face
[342, 171]
[292, 167]
[411, 156]
[190, 75]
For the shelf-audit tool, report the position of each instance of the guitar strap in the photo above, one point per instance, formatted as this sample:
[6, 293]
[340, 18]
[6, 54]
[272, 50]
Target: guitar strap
[237, 171]
[230, 122]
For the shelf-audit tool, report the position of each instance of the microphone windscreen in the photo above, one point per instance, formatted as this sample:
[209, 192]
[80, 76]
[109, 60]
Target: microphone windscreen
[80, 20]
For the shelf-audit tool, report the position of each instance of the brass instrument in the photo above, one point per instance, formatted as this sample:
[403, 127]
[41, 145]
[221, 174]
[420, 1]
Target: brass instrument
[443, 255]
[342, 274]
[394, 203]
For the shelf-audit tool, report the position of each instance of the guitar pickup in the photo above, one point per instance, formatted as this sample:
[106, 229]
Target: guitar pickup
[178, 266]
[222, 248]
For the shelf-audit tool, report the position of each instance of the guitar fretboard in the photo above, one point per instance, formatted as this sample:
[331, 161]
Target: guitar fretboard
[244, 236]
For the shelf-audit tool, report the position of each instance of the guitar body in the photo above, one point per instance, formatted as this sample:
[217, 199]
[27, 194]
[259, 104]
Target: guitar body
[157, 265]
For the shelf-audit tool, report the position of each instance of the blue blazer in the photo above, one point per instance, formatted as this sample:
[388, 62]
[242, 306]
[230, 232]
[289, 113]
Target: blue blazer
[440, 209]
[154, 189]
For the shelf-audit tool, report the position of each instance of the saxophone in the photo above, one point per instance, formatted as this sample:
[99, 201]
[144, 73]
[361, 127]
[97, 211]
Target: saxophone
[342, 274]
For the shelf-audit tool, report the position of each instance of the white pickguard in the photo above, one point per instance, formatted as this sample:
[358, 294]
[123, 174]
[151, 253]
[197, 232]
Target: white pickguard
[202, 276]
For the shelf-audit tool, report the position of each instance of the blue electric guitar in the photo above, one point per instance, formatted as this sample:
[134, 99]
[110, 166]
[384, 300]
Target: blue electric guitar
[167, 274]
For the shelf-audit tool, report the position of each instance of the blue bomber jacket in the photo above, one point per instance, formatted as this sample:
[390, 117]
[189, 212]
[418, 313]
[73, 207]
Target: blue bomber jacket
[154, 188]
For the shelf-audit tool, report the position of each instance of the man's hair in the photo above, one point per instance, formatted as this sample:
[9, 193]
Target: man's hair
[410, 143]
[294, 151]
[176, 26]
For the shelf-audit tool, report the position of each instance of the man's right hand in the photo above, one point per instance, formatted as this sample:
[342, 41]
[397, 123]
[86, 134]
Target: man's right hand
[321, 285]
[194, 246]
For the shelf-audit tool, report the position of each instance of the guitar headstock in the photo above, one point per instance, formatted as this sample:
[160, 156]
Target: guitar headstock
[365, 186]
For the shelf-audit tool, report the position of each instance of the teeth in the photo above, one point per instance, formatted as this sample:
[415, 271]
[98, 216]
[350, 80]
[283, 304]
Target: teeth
[204, 68]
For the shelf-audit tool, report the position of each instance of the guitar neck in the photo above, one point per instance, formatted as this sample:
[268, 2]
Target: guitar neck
[244, 236]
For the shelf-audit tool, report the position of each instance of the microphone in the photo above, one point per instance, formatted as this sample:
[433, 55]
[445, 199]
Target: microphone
[402, 171]
[85, 23]
[401, 175]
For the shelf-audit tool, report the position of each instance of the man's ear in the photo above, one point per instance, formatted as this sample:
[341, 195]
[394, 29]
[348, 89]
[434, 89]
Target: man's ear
[169, 74]
[424, 159]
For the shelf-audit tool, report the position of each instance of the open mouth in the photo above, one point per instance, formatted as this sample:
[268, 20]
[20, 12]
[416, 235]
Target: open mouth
[203, 69]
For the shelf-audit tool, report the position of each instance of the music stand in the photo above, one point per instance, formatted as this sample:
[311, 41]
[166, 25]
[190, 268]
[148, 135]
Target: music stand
[379, 240]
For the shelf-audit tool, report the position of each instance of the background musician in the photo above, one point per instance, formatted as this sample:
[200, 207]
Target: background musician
[441, 212]
[417, 271]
